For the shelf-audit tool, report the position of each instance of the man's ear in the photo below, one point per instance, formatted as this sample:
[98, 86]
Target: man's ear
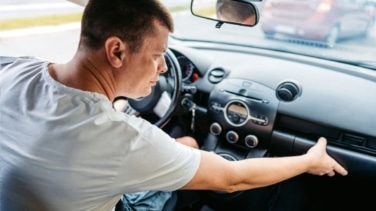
[115, 51]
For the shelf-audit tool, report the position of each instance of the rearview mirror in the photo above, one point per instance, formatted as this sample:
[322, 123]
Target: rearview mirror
[79, 2]
[226, 11]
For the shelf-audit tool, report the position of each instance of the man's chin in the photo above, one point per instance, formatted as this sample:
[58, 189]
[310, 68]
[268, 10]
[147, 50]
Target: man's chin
[146, 94]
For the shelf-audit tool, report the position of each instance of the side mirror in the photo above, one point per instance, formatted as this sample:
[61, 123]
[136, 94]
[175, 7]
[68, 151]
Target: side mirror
[226, 11]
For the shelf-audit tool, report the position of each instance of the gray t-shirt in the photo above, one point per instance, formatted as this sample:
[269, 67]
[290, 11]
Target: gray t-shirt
[67, 149]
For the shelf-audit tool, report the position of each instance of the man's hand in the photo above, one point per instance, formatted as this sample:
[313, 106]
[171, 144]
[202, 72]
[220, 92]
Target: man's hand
[321, 162]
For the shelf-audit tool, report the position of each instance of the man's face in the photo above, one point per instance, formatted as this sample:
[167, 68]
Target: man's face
[142, 69]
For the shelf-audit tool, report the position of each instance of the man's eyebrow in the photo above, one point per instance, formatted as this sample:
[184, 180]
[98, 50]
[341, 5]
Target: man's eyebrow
[164, 51]
[159, 49]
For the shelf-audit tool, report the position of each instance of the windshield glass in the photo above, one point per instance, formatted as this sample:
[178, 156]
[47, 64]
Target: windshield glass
[340, 30]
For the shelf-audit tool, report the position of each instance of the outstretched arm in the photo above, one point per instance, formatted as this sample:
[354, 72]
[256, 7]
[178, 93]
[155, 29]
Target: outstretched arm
[217, 173]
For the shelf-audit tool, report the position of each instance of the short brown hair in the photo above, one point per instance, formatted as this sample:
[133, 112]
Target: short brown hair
[130, 20]
[234, 11]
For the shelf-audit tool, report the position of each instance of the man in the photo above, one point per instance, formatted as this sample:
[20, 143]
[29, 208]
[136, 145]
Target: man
[64, 147]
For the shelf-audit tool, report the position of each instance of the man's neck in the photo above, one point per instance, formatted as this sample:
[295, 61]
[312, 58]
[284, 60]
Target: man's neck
[87, 73]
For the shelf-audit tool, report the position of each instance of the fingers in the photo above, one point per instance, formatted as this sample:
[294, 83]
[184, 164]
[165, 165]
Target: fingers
[322, 141]
[340, 170]
[336, 167]
[330, 174]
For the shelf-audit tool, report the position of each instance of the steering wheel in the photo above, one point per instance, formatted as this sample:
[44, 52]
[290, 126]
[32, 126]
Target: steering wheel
[160, 104]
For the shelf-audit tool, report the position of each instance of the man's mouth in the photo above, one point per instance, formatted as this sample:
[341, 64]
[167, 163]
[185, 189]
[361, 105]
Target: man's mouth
[154, 82]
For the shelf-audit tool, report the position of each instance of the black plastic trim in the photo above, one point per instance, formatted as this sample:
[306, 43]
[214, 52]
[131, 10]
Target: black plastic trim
[358, 165]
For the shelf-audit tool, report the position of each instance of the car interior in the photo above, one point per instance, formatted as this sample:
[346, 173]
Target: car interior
[244, 102]
[246, 109]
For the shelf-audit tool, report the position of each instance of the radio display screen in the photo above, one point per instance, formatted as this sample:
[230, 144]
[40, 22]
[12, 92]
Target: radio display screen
[238, 109]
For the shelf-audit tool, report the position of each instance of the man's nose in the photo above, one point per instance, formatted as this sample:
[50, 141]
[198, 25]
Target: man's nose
[162, 67]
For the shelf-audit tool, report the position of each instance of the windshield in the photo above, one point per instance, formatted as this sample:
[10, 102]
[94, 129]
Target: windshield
[340, 30]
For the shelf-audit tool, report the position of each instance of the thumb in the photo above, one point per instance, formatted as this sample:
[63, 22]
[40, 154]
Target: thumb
[322, 142]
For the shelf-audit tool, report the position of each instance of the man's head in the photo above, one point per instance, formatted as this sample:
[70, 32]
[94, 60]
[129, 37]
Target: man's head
[237, 12]
[130, 20]
[123, 43]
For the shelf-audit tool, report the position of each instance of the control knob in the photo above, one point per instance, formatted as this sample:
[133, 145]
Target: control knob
[215, 129]
[251, 141]
[232, 137]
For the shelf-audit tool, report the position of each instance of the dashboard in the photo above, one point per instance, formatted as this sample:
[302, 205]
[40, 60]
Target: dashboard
[254, 103]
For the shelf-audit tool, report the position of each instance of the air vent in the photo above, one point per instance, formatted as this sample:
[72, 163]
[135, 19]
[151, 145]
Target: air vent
[216, 75]
[353, 139]
[287, 91]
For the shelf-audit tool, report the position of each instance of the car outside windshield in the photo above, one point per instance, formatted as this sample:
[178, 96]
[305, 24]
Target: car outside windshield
[339, 30]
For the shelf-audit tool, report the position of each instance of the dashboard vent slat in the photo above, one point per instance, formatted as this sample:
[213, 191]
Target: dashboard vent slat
[353, 139]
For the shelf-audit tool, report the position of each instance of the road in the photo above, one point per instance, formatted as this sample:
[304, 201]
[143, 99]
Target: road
[29, 8]
[58, 43]
[11, 9]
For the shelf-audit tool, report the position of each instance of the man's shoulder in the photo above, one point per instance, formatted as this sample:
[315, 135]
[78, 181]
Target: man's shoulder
[15, 61]
[5, 60]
